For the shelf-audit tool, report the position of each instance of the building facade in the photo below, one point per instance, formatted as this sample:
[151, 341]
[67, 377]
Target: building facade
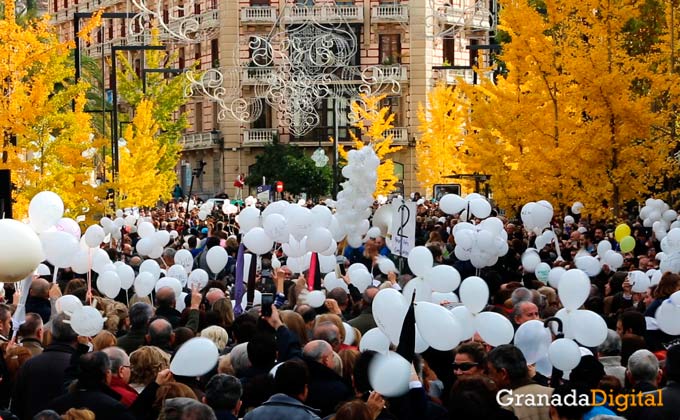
[397, 48]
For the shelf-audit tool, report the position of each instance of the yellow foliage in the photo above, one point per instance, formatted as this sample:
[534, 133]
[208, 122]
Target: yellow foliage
[569, 122]
[142, 181]
[45, 143]
[374, 122]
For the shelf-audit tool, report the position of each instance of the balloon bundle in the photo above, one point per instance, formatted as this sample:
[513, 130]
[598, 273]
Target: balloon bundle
[475, 204]
[659, 216]
[481, 244]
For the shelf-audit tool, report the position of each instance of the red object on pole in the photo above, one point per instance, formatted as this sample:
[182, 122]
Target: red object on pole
[279, 186]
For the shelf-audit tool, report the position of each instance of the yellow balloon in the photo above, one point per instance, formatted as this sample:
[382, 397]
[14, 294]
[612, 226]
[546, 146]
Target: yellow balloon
[627, 243]
[621, 232]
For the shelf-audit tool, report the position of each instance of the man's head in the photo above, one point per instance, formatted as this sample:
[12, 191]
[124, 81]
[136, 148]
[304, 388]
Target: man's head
[369, 295]
[340, 296]
[507, 366]
[160, 334]
[611, 345]
[213, 295]
[5, 320]
[40, 288]
[521, 294]
[292, 379]
[169, 256]
[140, 314]
[631, 322]
[185, 409]
[165, 297]
[643, 366]
[319, 351]
[32, 327]
[120, 362]
[94, 370]
[328, 332]
[62, 331]
[223, 392]
[379, 242]
[262, 351]
[524, 311]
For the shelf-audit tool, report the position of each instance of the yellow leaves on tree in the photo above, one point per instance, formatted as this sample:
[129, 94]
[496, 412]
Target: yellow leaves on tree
[440, 147]
[44, 141]
[572, 119]
[142, 179]
[374, 123]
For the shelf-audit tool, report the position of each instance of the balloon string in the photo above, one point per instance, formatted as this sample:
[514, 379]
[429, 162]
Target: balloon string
[127, 298]
[89, 276]
[54, 276]
[557, 244]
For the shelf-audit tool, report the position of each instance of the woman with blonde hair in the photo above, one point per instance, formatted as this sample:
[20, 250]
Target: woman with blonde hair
[294, 322]
[78, 414]
[145, 363]
[103, 340]
[217, 335]
[225, 312]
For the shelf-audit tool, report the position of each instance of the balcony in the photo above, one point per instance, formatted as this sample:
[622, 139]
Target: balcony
[259, 136]
[453, 76]
[452, 15]
[389, 13]
[197, 141]
[207, 20]
[391, 73]
[327, 13]
[478, 20]
[258, 15]
[399, 135]
[255, 75]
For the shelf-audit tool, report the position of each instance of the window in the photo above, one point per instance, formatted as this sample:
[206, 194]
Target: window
[259, 52]
[56, 5]
[197, 55]
[394, 104]
[265, 119]
[198, 117]
[166, 16]
[197, 8]
[123, 28]
[110, 32]
[215, 53]
[449, 51]
[215, 116]
[180, 55]
[65, 4]
[183, 111]
[259, 2]
[390, 49]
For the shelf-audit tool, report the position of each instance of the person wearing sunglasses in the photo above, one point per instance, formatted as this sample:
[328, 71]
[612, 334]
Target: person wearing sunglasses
[470, 359]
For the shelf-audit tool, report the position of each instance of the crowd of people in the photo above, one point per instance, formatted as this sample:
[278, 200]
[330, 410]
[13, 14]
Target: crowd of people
[302, 362]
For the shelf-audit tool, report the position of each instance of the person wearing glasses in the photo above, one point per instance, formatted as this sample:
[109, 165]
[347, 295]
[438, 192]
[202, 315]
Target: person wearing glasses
[120, 375]
[470, 359]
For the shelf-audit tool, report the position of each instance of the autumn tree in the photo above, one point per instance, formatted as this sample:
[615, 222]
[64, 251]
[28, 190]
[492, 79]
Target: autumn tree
[45, 132]
[142, 178]
[374, 124]
[440, 146]
[571, 120]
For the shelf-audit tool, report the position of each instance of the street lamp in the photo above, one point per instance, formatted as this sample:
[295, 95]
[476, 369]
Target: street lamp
[195, 173]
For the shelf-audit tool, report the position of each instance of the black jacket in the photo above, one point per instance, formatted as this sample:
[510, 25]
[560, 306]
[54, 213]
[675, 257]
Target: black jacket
[171, 314]
[41, 379]
[39, 306]
[327, 390]
[103, 402]
[132, 340]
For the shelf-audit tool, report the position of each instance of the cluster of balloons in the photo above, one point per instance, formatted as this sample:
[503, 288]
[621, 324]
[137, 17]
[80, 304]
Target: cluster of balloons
[356, 198]
[477, 205]
[537, 216]
[659, 216]
[481, 244]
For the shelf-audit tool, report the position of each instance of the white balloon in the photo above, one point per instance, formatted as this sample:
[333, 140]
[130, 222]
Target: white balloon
[418, 287]
[68, 303]
[667, 316]
[196, 357]
[389, 311]
[495, 329]
[432, 321]
[319, 239]
[80, 263]
[639, 281]
[71, 227]
[42, 270]
[299, 219]
[542, 272]
[161, 238]
[45, 210]
[327, 263]
[276, 227]
[87, 321]
[130, 220]
[590, 265]
[480, 208]
[94, 236]
[360, 279]
[59, 247]
[443, 278]
[330, 282]
[466, 320]
[590, 329]
[374, 340]
[389, 374]
[350, 336]
[144, 283]
[577, 207]
[184, 258]
[257, 241]
[322, 216]
[474, 293]
[386, 265]
[439, 297]
[533, 339]
[126, 275]
[613, 259]
[199, 278]
[564, 354]
[248, 219]
[145, 230]
[452, 204]
[145, 246]
[420, 261]
[108, 283]
[603, 247]
[569, 220]
[152, 267]
[170, 282]
[555, 275]
[217, 258]
[315, 298]
[544, 367]
[573, 289]
[100, 259]
[530, 260]
[421, 344]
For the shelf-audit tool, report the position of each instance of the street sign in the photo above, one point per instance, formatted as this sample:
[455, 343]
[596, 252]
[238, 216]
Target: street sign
[401, 237]
[442, 189]
[263, 192]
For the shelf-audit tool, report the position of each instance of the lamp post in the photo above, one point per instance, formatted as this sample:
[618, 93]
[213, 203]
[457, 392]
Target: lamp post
[146, 71]
[194, 174]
